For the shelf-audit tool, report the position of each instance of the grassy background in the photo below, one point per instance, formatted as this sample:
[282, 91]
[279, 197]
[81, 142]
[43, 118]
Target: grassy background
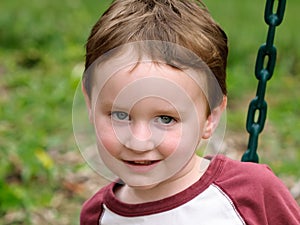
[243, 21]
[41, 59]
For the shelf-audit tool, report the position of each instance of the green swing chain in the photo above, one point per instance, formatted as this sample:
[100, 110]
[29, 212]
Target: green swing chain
[257, 111]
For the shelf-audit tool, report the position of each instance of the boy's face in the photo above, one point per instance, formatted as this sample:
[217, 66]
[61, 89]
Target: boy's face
[149, 120]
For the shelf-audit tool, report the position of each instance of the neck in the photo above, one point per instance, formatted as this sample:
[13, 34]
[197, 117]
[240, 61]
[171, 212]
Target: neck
[190, 174]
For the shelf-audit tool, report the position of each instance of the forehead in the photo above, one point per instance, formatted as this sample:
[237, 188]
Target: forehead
[148, 79]
[143, 71]
[151, 87]
[138, 60]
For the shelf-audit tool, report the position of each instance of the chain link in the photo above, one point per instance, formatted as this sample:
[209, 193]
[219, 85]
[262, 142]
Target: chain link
[264, 68]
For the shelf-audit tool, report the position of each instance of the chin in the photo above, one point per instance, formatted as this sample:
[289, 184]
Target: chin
[140, 184]
[142, 187]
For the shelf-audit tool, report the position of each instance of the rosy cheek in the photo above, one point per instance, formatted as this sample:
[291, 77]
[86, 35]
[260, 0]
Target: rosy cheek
[169, 145]
[106, 137]
[110, 144]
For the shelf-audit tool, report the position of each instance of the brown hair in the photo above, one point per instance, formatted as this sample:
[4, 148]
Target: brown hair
[183, 22]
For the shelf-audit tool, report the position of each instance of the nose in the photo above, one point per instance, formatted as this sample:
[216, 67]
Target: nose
[140, 138]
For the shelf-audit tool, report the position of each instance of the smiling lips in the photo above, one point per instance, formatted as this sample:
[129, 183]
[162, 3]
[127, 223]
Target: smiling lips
[141, 162]
[141, 166]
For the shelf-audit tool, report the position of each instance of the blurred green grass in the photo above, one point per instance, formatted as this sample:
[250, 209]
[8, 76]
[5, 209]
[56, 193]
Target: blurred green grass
[41, 52]
[243, 22]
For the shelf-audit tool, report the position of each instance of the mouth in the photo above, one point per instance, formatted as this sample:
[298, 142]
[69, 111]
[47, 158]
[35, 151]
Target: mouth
[141, 162]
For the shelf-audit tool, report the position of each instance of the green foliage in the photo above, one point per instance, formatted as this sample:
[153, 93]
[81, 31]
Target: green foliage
[243, 21]
[40, 44]
[41, 55]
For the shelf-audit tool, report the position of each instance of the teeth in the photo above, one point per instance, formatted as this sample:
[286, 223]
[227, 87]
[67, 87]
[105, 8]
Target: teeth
[142, 162]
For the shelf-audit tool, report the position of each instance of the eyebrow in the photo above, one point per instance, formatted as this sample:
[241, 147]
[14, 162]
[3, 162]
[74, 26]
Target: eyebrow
[105, 104]
[110, 106]
[165, 109]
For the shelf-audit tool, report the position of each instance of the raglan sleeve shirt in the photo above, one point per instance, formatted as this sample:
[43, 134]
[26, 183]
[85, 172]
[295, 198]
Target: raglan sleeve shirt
[258, 194]
[251, 192]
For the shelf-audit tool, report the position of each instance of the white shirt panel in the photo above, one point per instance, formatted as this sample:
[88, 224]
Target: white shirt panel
[211, 207]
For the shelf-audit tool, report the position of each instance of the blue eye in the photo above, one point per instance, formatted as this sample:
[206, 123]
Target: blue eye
[166, 120]
[119, 115]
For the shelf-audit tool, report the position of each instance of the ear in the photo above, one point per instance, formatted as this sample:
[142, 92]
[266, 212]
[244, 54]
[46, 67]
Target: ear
[213, 119]
[87, 102]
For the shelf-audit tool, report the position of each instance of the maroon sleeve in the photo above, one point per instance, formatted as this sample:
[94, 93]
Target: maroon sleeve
[259, 196]
[92, 209]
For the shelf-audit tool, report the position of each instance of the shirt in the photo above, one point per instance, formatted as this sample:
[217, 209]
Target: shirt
[229, 192]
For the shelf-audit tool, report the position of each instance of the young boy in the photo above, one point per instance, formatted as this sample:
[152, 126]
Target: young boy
[154, 85]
